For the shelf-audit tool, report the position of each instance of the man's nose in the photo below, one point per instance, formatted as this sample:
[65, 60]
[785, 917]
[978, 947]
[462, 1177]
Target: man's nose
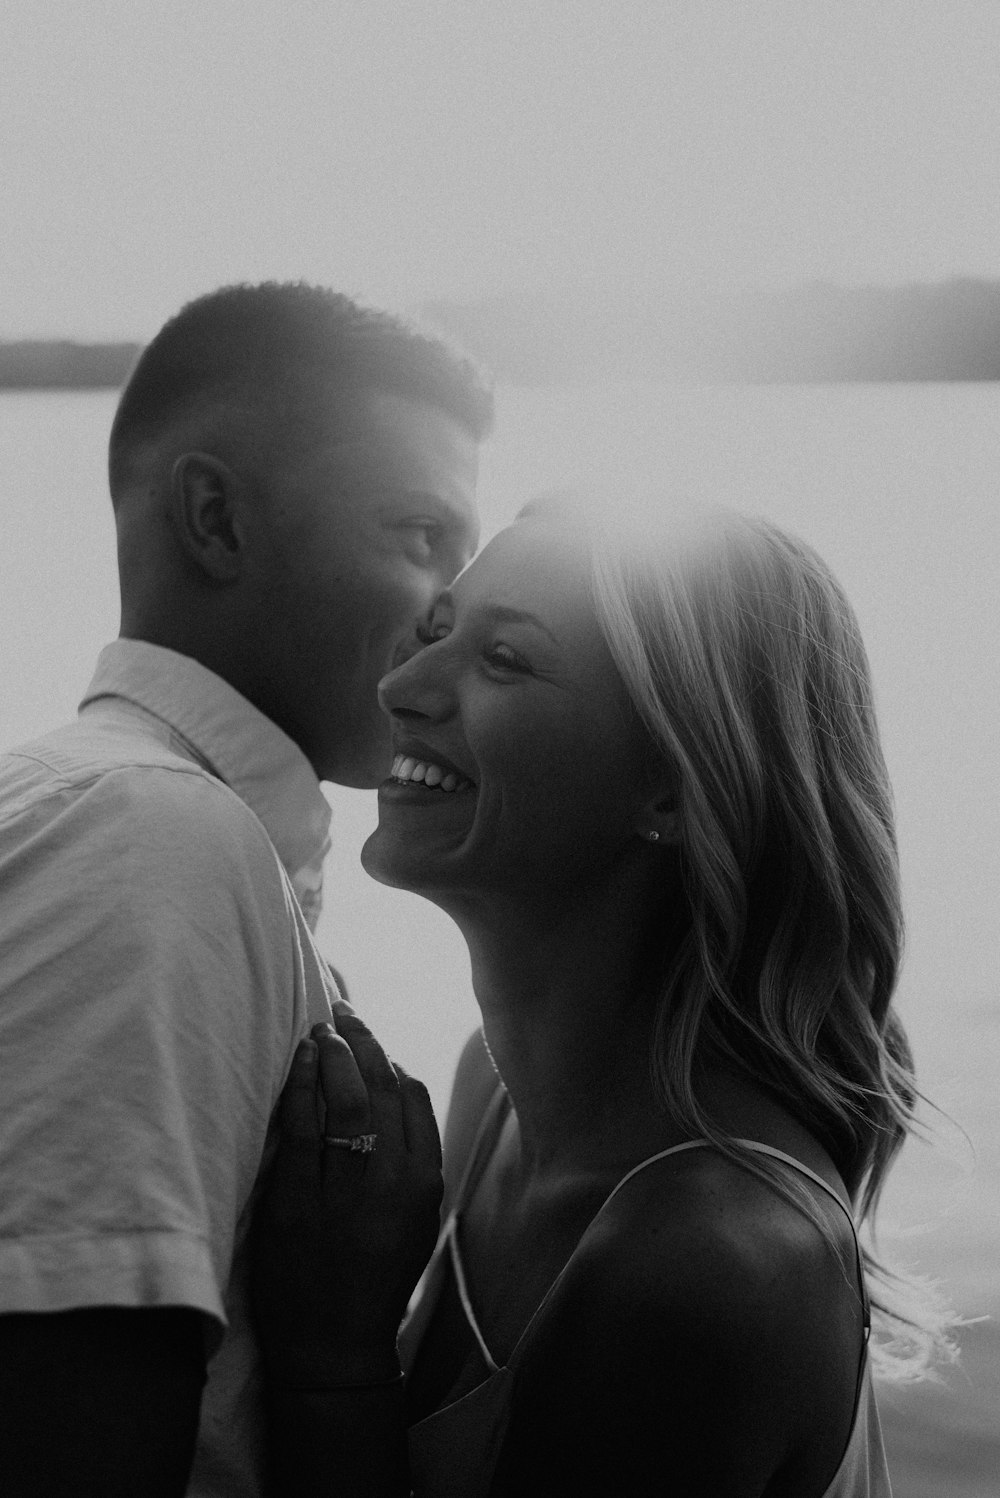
[416, 637]
[393, 695]
[406, 650]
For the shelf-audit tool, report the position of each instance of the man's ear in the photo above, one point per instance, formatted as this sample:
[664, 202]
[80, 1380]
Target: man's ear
[205, 498]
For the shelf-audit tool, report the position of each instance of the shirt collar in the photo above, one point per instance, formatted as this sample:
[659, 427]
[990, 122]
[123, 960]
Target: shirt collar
[235, 741]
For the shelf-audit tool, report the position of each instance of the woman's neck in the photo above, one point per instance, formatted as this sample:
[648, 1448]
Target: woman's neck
[568, 998]
[566, 993]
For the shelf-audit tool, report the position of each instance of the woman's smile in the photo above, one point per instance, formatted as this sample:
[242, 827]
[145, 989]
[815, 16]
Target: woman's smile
[417, 767]
[396, 791]
[422, 775]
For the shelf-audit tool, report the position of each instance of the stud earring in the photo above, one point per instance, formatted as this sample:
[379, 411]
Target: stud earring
[654, 837]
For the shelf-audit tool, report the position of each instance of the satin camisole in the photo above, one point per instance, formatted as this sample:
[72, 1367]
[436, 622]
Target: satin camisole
[454, 1450]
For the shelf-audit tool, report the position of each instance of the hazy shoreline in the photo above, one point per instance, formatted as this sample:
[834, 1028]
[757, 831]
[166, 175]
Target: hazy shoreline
[814, 333]
[63, 364]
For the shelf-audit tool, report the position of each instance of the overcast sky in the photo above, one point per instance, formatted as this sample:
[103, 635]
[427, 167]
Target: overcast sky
[419, 148]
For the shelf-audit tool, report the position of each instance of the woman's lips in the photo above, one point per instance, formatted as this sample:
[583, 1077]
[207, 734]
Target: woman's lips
[413, 770]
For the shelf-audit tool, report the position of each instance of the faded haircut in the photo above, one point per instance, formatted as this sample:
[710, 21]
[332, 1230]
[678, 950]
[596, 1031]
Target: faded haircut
[280, 354]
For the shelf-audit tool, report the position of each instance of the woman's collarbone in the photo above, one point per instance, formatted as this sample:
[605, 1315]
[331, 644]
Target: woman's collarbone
[515, 1246]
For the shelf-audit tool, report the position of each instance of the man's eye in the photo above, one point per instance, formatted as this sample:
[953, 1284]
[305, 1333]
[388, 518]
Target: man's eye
[504, 659]
[429, 634]
[421, 535]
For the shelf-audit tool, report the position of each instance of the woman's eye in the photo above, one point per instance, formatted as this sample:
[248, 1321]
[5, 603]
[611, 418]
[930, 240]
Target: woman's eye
[502, 658]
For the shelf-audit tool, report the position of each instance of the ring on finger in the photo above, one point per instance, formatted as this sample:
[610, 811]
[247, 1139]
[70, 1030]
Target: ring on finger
[358, 1144]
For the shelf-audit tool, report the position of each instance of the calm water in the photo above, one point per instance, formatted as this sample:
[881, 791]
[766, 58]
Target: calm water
[897, 487]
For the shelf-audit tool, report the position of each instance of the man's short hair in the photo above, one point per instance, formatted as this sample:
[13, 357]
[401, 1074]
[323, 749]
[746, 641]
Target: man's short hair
[280, 349]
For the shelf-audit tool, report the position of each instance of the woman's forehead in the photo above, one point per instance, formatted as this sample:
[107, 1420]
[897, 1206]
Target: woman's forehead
[536, 558]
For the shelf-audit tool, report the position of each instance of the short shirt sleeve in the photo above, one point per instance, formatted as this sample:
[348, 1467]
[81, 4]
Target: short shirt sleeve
[151, 991]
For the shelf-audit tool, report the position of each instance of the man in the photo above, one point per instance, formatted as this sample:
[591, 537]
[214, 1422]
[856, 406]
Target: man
[293, 482]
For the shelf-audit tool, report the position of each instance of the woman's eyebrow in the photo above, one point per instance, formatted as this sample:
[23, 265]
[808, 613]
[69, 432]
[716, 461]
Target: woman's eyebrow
[506, 615]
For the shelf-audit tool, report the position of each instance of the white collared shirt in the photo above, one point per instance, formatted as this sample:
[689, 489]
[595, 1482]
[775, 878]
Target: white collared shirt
[203, 718]
[156, 972]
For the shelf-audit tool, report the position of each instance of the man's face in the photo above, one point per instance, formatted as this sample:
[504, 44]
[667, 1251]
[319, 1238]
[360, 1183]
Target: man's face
[362, 533]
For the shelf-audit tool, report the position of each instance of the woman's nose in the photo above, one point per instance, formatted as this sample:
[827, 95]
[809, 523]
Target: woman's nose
[418, 686]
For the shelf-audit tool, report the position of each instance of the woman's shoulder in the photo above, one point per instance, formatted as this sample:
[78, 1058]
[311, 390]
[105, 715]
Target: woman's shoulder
[699, 1230]
[703, 1305]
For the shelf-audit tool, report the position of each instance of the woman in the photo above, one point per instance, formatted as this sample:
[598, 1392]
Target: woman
[645, 780]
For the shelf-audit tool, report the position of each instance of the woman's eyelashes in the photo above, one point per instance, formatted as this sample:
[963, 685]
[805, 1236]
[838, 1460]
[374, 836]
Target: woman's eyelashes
[502, 658]
[499, 657]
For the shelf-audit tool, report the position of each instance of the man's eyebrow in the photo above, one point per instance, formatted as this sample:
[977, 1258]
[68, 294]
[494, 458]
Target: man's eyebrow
[393, 493]
[440, 505]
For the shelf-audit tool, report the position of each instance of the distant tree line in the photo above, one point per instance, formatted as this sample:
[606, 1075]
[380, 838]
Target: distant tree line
[64, 365]
[817, 332]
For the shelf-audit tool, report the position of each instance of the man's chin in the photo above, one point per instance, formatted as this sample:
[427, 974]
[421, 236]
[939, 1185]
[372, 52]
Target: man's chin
[361, 772]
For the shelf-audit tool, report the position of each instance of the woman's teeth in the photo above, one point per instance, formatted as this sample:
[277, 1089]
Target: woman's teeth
[409, 771]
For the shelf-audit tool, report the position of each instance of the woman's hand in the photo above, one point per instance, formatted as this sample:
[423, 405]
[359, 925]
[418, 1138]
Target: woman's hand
[340, 1236]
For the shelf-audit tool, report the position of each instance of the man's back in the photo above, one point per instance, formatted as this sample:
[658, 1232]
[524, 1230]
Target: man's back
[155, 974]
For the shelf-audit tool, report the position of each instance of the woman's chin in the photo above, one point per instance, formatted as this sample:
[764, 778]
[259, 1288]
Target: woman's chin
[421, 837]
[376, 862]
[397, 864]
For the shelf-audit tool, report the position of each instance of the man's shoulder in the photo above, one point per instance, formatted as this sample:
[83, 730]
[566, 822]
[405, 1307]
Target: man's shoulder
[79, 752]
[88, 787]
[128, 867]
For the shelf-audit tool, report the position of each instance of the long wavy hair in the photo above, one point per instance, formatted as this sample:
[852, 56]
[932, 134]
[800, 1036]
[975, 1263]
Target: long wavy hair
[744, 660]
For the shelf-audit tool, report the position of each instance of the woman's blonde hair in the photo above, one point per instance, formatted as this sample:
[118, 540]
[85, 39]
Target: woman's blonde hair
[744, 660]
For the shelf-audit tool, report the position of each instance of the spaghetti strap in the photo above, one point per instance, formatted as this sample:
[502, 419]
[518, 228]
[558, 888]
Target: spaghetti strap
[676, 1149]
[766, 1149]
[482, 1148]
[463, 1293]
[455, 1448]
[750, 1144]
[789, 1160]
[483, 1144]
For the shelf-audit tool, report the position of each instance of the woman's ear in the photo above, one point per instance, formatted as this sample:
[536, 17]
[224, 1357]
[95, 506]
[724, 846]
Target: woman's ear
[205, 499]
[658, 819]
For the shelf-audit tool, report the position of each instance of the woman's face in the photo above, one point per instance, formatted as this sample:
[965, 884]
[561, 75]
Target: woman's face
[520, 764]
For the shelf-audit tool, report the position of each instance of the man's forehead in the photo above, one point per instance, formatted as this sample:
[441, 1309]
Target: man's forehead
[387, 415]
[411, 444]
